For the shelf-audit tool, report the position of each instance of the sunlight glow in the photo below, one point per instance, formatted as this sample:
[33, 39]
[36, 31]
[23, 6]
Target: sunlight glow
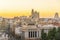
[10, 8]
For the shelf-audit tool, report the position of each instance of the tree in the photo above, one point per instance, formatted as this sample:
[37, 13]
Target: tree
[57, 35]
[58, 29]
[51, 34]
[43, 35]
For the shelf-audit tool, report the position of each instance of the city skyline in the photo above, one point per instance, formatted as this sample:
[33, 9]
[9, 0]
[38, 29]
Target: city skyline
[12, 8]
[29, 14]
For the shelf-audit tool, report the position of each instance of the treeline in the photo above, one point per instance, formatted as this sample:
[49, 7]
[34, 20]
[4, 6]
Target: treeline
[53, 34]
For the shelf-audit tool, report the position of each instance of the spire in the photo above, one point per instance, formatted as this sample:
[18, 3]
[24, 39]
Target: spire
[32, 11]
[56, 15]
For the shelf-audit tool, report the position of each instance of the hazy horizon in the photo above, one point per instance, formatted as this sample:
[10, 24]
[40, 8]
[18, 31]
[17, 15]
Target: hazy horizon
[12, 8]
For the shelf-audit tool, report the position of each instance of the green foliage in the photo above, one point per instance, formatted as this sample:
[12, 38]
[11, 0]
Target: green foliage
[57, 35]
[43, 35]
[58, 29]
[51, 34]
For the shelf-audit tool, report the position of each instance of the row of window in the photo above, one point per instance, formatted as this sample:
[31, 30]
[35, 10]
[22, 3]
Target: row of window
[33, 34]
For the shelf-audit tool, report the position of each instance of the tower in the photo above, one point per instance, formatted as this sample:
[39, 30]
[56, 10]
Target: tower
[34, 14]
[56, 15]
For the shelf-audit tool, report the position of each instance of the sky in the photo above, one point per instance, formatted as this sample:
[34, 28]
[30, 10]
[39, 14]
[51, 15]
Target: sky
[12, 8]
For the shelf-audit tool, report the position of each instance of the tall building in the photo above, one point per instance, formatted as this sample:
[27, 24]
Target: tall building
[32, 11]
[34, 14]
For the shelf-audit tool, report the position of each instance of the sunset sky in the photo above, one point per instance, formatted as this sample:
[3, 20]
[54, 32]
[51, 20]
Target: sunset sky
[46, 8]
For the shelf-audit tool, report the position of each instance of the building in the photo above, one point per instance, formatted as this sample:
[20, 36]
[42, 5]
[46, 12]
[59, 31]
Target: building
[30, 28]
[33, 32]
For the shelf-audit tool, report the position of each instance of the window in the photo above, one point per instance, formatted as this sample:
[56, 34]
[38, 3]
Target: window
[32, 34]
[29, 34]
[35, 34]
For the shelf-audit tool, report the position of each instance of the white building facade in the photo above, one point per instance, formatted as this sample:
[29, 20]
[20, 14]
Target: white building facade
[32, 32]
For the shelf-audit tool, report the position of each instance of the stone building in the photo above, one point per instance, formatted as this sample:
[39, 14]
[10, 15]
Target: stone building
[33, 32]
[30, 28]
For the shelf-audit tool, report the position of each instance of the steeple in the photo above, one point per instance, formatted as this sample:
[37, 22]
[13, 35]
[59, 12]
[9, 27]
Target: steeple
[32, 11]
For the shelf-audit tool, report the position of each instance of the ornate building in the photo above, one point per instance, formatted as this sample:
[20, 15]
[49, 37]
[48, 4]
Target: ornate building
[30, 27]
